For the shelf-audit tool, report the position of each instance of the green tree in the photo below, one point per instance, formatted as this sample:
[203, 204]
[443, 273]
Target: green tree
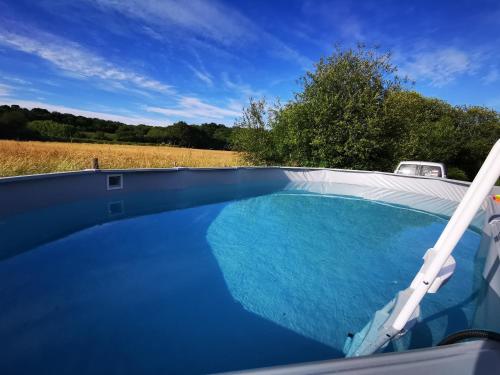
[46, 129]
[253, 134]
[337, 120]
[12, 124]
[431, 129]
[423, 128]
[126, 133]
[478, 130]
[157, 135]
[343, 101]
[184, 135]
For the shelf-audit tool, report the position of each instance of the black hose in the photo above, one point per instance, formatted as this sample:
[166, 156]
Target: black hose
[470, 334]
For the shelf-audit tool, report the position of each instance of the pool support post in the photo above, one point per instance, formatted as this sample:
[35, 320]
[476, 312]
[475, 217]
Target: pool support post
[95, 163]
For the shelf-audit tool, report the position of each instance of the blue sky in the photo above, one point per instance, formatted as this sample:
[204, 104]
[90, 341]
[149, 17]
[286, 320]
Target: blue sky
[161, 61]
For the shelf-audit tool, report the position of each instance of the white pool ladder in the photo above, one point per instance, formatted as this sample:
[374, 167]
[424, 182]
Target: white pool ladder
[397, 317]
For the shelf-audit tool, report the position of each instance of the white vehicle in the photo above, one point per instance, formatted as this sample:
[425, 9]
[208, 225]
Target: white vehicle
[421, 168]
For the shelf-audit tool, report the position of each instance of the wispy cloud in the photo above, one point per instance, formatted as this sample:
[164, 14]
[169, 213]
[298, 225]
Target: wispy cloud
[203, 76]
[5, 90]
[492, 76]
[210, 19]
[72, 58]
[494, 103]
[438, 67]
[240, 88]
[340, 15]
[19, 87]
[151, 33]
[190, 107]
[131, 120]
[15, 80]
[204, 20]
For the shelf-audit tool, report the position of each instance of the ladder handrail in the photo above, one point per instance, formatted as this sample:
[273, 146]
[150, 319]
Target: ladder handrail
[396, 317]
[458, 224]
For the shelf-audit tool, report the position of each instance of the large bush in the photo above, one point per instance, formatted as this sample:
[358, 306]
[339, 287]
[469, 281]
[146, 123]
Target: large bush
[253, 132]
[337, 120]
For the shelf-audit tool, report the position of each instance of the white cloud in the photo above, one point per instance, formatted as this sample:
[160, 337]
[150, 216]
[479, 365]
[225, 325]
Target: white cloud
[439, 67]
[190, 107]
[492, 76]
[132, 120]
[494, 103]
[206, 20]
[239, 87]
[210, 19]
[5, 90]
[15, 80]
[350, 28]
[340, 15]
[202, 75]
[74, 59]
[235, 105]
[152, 33]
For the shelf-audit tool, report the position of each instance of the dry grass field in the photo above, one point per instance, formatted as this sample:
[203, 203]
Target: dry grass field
[20, 158]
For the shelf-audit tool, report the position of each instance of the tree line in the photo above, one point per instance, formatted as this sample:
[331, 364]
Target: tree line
[353, 111]
[40, 124]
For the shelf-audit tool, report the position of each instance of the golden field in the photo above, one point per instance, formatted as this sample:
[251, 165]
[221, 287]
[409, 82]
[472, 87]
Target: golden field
[20, 158]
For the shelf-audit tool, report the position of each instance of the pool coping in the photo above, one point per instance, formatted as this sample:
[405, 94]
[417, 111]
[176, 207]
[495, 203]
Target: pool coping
[8, 179]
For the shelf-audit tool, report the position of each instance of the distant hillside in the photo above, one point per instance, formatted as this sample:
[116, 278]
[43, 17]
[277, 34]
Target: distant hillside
[40, 124]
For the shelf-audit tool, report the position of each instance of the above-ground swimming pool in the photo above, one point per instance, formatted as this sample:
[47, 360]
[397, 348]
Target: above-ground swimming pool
[215, 278]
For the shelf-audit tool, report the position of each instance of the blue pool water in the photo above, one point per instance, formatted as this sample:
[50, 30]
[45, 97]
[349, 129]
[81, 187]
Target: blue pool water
[213, 279]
